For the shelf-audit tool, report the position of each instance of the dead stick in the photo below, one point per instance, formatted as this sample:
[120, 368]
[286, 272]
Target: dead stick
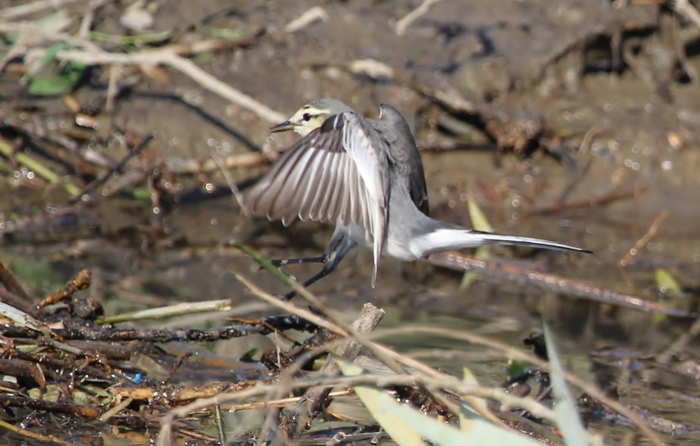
[173, 395]
[18, 368]
[49, 406]
[192, 166]
[112, 334]
[16, 301]
[8, 279]
[584, 148]
[549, 282]
[44, 439]
[592, 202]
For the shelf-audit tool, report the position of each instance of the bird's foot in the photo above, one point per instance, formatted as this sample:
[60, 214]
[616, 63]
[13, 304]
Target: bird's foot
[284, 262]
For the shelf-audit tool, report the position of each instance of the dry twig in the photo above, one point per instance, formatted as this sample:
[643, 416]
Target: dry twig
[235, 191]
[306, 19]
[15, 12]
[549, 282]
[412, 16]
[172, 59]
[193, 166]
[592, 202]
[33, 435]
[686, 9]
[651, 232]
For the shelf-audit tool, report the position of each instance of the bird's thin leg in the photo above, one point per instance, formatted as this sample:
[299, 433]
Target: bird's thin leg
[328, 268]
[282, 262]
[339, 247]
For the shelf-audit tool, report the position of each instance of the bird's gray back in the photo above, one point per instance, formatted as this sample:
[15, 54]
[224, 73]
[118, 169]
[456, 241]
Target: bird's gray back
[334, 106]
[404, 154]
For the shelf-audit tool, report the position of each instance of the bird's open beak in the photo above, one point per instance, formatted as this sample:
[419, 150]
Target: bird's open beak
[282, 127]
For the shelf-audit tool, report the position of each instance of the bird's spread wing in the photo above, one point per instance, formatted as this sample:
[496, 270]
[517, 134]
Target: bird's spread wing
[336, 171]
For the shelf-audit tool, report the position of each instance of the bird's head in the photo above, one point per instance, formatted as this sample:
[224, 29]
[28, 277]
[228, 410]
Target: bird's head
[311, 116]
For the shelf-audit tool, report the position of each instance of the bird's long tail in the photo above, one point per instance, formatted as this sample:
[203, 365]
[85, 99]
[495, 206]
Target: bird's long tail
[448, 238]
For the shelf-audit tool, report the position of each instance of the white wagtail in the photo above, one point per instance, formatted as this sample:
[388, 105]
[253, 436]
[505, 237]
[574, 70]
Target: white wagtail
[366, 176]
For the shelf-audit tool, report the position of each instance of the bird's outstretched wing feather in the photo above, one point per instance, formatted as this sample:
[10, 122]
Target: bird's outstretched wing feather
[335, 172]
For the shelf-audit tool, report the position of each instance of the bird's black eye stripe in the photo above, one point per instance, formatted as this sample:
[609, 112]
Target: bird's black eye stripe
[306, 116]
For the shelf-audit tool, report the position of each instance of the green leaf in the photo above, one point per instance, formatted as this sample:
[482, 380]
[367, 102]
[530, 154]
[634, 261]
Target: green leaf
[667, 284]
[248, 356]
[515, 368]
[471, 408]
[56, 84]
[480, 223]
[51, 53]
[479, 220]
[38, 65]
[226, 33]
[568, 420]
[382, 407]
[135, 40]
[669, 287]
[407, 426]
[657, 318]
[50, 85]
[203, 57]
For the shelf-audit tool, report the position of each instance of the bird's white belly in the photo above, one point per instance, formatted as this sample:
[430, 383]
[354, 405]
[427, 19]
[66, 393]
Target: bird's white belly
[392, 246]
[358, 235]
[398, 249]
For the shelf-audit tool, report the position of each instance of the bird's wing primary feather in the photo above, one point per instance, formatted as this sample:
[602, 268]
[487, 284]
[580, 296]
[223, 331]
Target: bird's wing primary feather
[338, 171]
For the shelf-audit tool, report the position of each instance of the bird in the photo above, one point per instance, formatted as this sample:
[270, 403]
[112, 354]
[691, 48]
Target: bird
[367, 177]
